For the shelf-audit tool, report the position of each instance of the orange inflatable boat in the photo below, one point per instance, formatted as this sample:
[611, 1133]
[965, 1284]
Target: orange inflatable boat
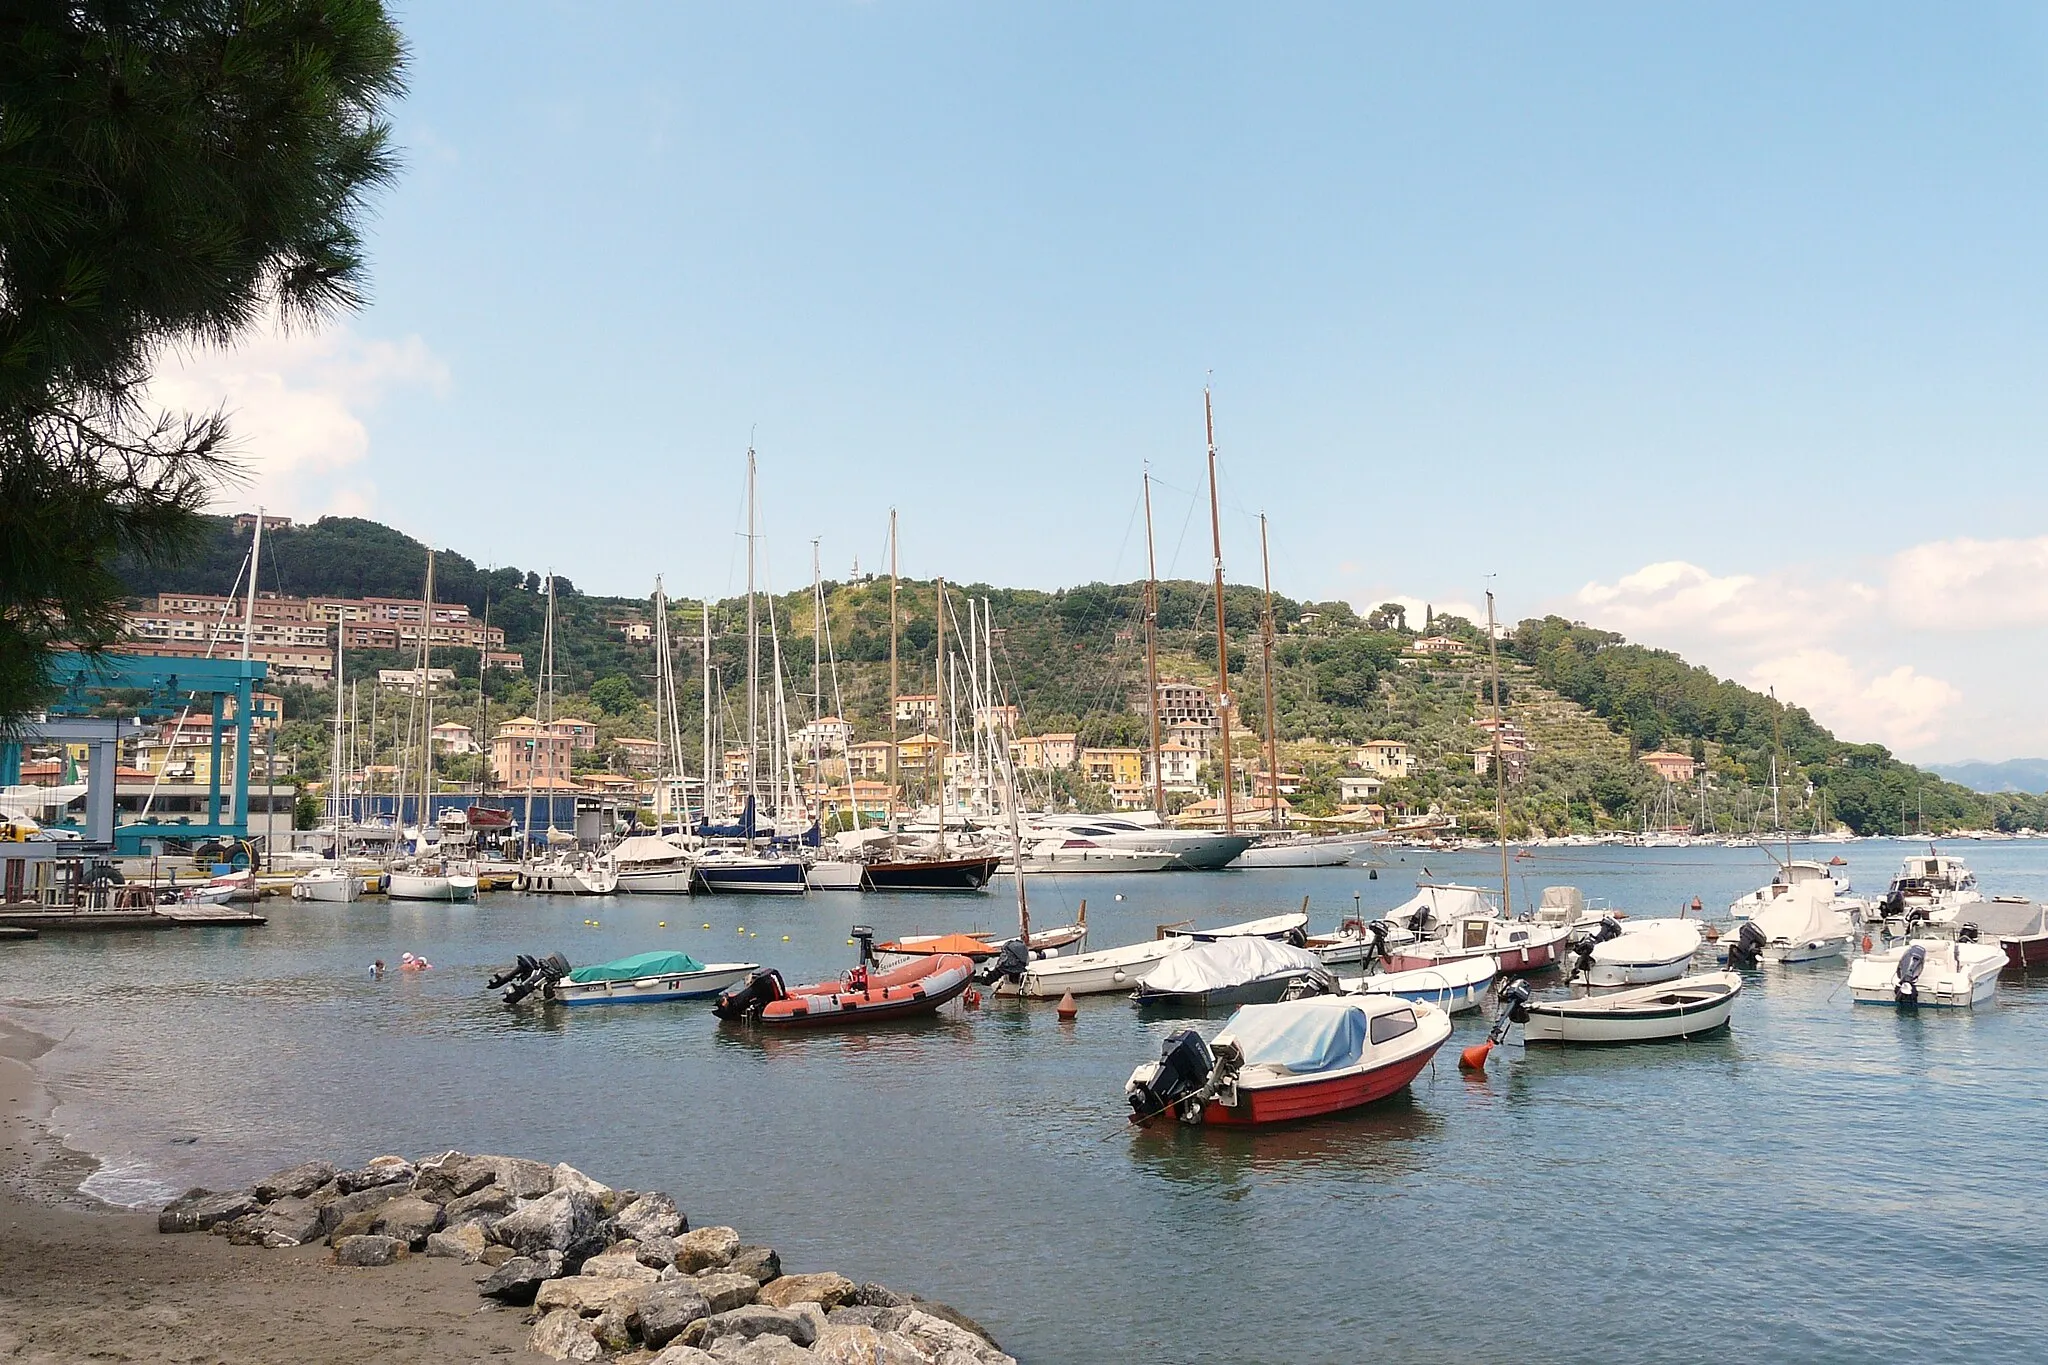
[859, 997]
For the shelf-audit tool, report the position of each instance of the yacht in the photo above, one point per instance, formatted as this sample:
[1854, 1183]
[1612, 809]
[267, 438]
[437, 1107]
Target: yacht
[1187, 850]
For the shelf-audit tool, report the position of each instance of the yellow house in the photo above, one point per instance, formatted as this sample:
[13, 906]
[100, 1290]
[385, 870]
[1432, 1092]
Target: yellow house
[917, 754]
[1113, 767]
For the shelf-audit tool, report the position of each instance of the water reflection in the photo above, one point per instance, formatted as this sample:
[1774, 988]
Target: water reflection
[1381, 1141]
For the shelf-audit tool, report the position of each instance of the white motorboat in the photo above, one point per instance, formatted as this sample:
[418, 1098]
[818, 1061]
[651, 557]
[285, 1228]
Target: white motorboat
[1303, 850]
[1803, 925]
[1444, 923]
[568, 875]
[834, 874]
[1795, 875]
[1931, 890]
[1932, 972]
[1455, 986]
[1685, 1008]
[1076, 853]
[1092, 973]
[1240, 970]
[646, 978]
[1635, 953]
[1186, 850]
[429, 882]
[335, 885]
[651, 865]
[1286, 926]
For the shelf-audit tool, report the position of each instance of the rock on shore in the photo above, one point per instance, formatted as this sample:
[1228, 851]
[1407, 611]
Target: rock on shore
[604, 1274]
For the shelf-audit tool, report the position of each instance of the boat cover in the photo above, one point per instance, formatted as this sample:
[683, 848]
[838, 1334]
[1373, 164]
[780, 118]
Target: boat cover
[742, 829]
[642, 964]
[1806, 911]
[2003, 918]
[966, 945]
[1445, 903]
[1227, 962]
[1566, 901]
[1302, 1036]
[645, 848]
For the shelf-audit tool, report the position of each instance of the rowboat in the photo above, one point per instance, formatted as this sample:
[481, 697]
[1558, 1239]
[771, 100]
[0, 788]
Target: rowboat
[643, 979]
[1296, 1059]
[857, 998]
[1119, 969]
[1216, 973]
[1685, 1008]
[1956, 973]
[1636, 954]
[1454, 986]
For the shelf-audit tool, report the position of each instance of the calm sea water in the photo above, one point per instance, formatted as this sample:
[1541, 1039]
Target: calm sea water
[1821, 1183]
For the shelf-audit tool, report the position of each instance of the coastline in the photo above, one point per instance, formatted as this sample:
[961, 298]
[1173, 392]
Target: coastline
[87, 1280]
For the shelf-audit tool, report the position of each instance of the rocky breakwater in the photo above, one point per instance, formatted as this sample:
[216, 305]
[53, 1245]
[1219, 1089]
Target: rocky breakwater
[602, 1274]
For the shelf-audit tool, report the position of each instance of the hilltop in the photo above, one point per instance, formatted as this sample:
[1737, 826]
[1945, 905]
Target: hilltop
[1589, 702]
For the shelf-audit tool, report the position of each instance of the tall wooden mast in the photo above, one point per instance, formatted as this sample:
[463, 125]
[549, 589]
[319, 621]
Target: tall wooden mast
[1223, 706]
[1266, 649]
[895, 681]
[939, 714]
[1500, 772]
[1152, 650]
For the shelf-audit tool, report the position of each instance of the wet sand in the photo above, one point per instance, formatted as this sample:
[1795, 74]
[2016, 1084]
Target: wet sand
[80, 1281]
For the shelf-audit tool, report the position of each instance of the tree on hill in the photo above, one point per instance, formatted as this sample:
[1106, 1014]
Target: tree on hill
[171, 173]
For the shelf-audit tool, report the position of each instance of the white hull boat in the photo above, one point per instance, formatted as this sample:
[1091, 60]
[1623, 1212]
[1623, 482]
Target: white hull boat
[1096, 973]
[701, 984]
[649, 865]
[831, 874]
[332, 885]
[656, 881]
[1797, 875]
[1685, 1008]
[1802, 926]
[1287, 926]
[1454, 987]
[1073, 855]
[559, 877]
[1641, 953]
[429, 886]
[1926, 972]
[1302, 851]
[1228, 972]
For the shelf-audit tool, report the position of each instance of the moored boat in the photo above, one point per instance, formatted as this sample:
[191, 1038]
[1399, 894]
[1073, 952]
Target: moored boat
[645, 978]
[734, 872]
[1296, 1059]
[649, 864]
[1685, 1008]
[1958, 973]
[334, 885]
[857, 998]
[1639, 953]
[1453, 986]
[1228, 972]
[968, 873]
[2017, 925]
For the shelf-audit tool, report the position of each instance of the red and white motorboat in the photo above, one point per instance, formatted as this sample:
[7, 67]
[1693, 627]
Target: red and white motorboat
[1457, 923]
[2018, 925]
[859, 997]
[1297, 1059]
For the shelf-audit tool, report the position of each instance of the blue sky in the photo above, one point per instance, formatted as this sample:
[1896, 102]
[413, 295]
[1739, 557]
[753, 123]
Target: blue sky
[1723, 328]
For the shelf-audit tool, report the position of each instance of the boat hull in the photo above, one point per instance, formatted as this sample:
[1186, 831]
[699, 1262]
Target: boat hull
[329, 890]
[1659, 1017]
[1615, 974]
[2021, 953]
[1264, 991]
[656, 881]
[1075, 976]
[1515, 959]
[814, 1008]
[833, 876]
[651, 990]
[1791, 954]
[751, 879]
[1313, 1098]
[420, 886]
[930, 874]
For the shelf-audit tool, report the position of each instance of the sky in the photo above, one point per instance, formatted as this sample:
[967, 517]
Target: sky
[1723, 328]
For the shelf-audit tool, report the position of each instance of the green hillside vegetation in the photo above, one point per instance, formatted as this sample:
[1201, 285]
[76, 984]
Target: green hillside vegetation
[1074, 660]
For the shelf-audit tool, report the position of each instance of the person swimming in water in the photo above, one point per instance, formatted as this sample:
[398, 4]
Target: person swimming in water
[409, 963]
[377, 970]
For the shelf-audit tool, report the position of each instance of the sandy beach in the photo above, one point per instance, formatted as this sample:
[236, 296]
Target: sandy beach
[80, 1281]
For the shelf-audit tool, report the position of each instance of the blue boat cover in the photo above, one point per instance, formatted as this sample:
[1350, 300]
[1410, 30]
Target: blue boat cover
[743, 830]
[1303, 1036]
[813, 837]
[637, 966]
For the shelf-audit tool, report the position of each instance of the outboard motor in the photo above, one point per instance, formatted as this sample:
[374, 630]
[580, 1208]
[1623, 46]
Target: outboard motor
[1296, 937]
[1418, 923]
[1906, 986]
[750, 997]
[1583, 945]
[864, 935]
[1182, 1071]
[1514, 1009]
[1380, 930]
[530, 974]
[1748, 948]
[1008, 965]
[1967, 932]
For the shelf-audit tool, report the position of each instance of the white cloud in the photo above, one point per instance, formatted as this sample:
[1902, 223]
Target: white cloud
[1969, 584]
[1675, 597]
[296, 403]
[1903, 708]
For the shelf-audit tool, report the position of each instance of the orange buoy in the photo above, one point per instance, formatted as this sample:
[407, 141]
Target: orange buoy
[1473, 1058]
[1866, 943]
[1067, 1009]
[1695, 902]
[972, 999]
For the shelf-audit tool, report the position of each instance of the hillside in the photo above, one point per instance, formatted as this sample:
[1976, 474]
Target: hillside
[1073, 659]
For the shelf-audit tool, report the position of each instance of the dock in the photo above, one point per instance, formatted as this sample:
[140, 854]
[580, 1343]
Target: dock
[15, 933]
[42, 919]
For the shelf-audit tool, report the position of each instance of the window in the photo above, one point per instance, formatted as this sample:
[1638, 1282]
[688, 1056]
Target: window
[1391, 1025]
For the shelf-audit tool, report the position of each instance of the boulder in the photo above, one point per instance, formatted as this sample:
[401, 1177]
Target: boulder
[563, 1335]
[877, 1296]
[724, 1292]
[846, 1344]
[493, 1255]
[465, 1243]
[369, 1249]
[760, 1262]
[488, 1205]
[706, 1249]
[341, 1208]
[680, 1354]
[565, 1221]
[828, 1290]
[618, 1266]
[567, 1177]
[385, 1170]
[285, 1223]
[197, 1210]
[409, 1218]
[517, 1280]
[881, 1319]
[611, 1327]
[938, 1338]
[947, 1313]
[751, 1322]
[450, 1176]
[652, 1215]
[294, 1182]
[769, 1350]
[518, 1177]
[659, 1252]
[586, 1294]
[666, 1309]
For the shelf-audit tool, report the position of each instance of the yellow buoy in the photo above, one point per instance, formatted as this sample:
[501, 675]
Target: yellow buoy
[785, 938]
[662, 925]
[707, 926]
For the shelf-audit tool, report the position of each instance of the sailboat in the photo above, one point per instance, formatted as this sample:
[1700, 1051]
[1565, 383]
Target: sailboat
[559, 869]
[736, 864]
[426, 877]
[338, 883]
[655, 864]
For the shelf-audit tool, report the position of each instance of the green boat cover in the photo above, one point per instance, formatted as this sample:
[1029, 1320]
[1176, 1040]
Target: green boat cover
[643, 964]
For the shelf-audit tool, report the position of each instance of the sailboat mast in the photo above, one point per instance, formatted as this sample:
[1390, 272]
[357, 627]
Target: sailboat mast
[939, 701]
[334, 797]
[1266, 649]
[895, 682]
[1152, 650]
[1500, 775]
[427, 693]
[1223, 706]
[704, 804]
[753, 654]
[817, 664]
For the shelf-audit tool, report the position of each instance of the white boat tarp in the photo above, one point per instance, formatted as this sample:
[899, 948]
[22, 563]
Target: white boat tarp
[1650, 941]
[1272, 926]
[645, 848]
[2004, 917]
[1302, 1036]
[1806, 911]
[1444, 903]
[1228, 962]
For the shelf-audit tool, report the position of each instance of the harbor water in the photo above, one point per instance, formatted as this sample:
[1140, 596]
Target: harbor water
[1822, 1182]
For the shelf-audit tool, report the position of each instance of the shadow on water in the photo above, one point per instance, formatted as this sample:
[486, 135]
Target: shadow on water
[1381, 1142]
